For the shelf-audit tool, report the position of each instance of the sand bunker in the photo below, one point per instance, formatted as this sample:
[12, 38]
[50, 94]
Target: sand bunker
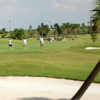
[92, 48]
[41, 88]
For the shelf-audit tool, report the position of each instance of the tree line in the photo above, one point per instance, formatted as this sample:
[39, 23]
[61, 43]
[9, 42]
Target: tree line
[45, 30]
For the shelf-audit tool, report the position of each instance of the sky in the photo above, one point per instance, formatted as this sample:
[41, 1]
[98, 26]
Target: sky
[22, 13]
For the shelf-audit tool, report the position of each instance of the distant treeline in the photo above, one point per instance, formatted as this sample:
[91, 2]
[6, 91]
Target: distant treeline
[45, 30]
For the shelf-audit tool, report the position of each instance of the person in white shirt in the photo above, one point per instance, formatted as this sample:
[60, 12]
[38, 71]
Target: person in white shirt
[41, 41]
[10, 43]
[25, 42]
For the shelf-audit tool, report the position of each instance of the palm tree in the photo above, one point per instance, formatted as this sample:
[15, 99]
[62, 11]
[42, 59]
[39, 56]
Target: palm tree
[96, 18]
[95, 21]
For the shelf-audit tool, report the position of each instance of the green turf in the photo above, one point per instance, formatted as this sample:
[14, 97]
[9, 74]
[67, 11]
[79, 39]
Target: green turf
[67, 59]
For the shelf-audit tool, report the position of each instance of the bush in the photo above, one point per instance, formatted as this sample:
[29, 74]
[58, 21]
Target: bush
[17, 34]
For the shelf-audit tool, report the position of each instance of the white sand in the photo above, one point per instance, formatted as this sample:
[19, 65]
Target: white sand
[92, 48]
[36, 88]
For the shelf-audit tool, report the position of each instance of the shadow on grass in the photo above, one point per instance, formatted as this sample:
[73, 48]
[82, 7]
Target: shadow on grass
[40, 98]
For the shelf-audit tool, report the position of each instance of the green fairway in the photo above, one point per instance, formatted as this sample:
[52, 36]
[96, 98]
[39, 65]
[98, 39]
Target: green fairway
[61, 59]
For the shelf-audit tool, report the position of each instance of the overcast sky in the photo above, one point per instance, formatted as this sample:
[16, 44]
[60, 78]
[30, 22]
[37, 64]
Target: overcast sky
[22, 13]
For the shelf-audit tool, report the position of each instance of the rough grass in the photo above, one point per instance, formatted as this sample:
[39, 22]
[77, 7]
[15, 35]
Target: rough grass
[67, 59]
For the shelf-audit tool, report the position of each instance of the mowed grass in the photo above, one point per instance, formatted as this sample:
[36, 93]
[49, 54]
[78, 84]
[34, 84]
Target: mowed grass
[61, 59]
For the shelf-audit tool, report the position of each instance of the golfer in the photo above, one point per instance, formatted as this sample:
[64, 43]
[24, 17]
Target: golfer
[41, 42]
[10, 43]
[25, 42]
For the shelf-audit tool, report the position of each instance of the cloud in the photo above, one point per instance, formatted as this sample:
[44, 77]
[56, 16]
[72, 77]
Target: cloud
[5, 3]
[36, 11]
[7, 7]
[64, 5]
[73, 5]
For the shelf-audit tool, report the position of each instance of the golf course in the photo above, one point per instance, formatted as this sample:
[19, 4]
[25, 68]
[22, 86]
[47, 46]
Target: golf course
[66, 59]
